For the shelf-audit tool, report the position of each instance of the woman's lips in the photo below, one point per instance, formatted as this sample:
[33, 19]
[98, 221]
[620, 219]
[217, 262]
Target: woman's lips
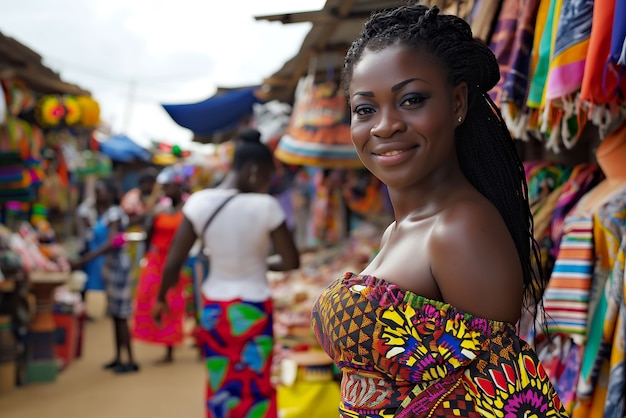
[394, 156]
[390, 153]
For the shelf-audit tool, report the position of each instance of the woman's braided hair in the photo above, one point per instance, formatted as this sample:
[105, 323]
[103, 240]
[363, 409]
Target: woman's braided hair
[484, 146]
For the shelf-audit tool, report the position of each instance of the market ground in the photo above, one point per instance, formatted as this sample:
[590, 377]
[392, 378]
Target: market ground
[85, 390]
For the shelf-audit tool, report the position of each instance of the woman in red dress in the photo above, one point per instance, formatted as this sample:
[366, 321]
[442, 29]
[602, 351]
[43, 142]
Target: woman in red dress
[169, 331]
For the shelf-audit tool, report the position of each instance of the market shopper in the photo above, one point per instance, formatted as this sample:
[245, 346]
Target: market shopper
[106, 261]
[139, 202]
[160, 234]
[428, 327]
[238, 222]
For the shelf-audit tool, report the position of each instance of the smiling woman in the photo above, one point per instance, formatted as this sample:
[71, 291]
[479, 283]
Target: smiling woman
[427, 329]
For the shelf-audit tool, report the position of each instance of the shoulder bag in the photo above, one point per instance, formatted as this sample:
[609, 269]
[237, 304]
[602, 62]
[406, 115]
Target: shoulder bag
[201, 266]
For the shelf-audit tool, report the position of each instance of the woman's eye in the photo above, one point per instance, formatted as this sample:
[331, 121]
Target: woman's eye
[413, 100]
[363, 110]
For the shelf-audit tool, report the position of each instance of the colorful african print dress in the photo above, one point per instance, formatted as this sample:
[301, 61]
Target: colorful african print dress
[403, 355]
[236, 339]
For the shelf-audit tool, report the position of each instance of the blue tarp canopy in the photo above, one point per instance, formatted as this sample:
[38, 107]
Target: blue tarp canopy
[218, 113]
[123, 149]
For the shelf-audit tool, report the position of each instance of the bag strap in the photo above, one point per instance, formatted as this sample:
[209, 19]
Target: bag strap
[208, 222]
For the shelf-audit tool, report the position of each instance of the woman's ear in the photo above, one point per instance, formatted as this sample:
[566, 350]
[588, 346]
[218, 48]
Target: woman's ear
[460, 94]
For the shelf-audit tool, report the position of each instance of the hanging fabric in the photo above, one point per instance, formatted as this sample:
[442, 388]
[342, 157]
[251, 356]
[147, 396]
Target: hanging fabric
[517, 17]
[483, 18]
[565, 73]
[602, 82]
[318, 134]
[618, 39]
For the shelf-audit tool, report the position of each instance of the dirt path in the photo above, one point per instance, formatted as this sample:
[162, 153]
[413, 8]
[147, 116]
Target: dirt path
[84, 390]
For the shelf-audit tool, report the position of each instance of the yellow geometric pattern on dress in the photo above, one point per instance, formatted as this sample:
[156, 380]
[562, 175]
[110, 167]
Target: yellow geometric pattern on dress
[398, 338]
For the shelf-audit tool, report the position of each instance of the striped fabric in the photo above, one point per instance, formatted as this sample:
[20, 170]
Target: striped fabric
[566, 300]
[295, 151]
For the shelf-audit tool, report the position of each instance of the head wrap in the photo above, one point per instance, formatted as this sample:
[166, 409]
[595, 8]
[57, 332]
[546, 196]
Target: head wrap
[174, 174]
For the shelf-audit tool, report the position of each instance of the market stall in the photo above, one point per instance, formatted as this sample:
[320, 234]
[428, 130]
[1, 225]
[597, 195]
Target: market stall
[47, 150]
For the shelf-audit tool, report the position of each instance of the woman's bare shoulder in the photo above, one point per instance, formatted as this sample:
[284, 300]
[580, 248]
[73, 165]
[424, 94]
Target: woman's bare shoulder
[474, 260]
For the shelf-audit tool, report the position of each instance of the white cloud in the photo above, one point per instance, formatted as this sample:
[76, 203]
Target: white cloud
[134, 55]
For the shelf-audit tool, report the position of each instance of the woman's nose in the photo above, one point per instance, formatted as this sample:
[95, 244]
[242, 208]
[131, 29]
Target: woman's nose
[388, 124]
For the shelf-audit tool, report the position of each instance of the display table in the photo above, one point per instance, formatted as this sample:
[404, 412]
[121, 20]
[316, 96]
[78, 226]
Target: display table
[308, 389]
[18, 306]
[40, 345]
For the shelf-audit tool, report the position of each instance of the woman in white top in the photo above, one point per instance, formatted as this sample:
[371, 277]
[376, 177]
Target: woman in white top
[236, 320]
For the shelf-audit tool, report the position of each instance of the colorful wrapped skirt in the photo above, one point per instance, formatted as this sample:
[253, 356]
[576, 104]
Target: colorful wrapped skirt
[237, 343]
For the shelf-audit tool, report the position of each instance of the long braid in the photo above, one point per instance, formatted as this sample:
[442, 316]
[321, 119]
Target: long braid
[485, 149]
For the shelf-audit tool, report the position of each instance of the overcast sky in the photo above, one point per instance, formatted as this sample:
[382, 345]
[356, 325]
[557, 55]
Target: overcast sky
[135, 54]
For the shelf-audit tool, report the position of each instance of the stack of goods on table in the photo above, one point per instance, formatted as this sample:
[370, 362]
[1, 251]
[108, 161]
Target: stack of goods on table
[33, 267]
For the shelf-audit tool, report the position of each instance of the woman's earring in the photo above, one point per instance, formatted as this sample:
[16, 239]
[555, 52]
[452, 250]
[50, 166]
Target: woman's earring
[460, 119]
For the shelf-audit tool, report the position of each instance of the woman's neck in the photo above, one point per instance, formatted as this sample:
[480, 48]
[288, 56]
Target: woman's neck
[230, 181]
[611, 155]
[176, 201]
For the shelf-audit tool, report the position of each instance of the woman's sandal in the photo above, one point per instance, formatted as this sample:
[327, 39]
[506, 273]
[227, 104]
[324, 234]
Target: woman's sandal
[112, 365]
[126, 368]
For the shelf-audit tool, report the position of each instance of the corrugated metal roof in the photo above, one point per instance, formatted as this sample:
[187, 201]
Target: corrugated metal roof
[334, 29]
[17, 60]
[323, 49]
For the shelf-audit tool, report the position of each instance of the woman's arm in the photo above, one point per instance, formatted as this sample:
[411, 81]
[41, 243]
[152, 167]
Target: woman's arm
[149, 232]
[176, 257]
[114, 228]
[286, 248]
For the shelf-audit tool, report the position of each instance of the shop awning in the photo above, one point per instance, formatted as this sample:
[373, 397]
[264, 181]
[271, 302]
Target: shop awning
[221, 112]
[123, 149]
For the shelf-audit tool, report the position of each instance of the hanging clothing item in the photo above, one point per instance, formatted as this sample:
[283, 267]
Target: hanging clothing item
[483, 18]
[618, 39]
[566, 301]
[601, 388]
[404, 355]
[517, 17]
[542, 51]
[318, 134]
[545, 187]
[328, 217]
[584, 177]
[602, 82]
[565, 73]
[570, 49]
[584, 302]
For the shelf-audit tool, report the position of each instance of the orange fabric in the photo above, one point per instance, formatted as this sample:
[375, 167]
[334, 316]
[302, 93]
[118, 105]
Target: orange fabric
[600, 80]
[165, 226]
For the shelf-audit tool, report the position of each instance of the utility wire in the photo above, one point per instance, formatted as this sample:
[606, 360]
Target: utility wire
[145, 79]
